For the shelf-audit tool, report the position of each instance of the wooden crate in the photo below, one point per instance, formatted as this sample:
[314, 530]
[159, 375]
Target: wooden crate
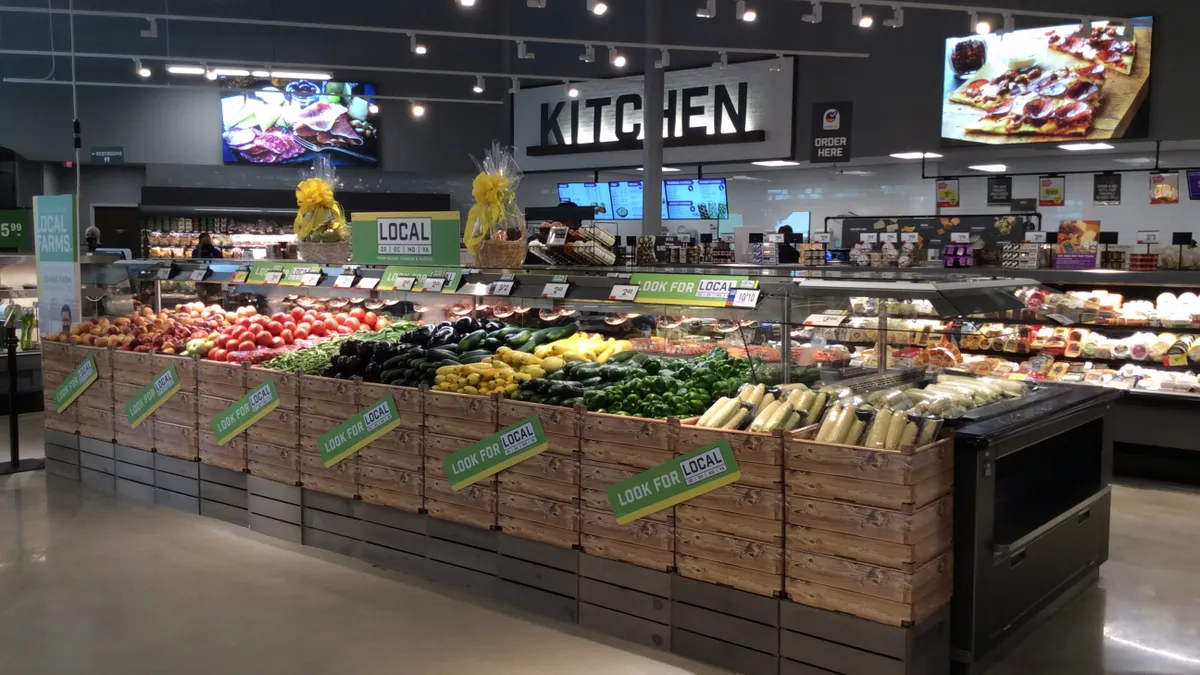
[409, 402]
[906, 466]
[881, 582]
[287, 385]
[458, 406]
[474, 505]
[230, 456]
[220, 380]
[646, 542]
[903, 557]
[57, 356]
[67, 421]
[175, 440]
[341, 479]
[469, 430]
[133, 367]
[274, 462]
[208, 407]
[638, 432]
[96, 423]
[141, 437]
[185, 368]
[317, 388]
[102, 357]
[866, 606]
[870, 522]
[99, 394]
[391, 470]
[895, 496]
[555, 419]
[539, 498]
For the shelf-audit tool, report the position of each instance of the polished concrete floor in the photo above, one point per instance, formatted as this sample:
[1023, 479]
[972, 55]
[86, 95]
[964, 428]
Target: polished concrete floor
[97, 585]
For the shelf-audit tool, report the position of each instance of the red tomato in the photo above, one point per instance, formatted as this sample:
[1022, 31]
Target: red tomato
[289, 325]
[243, 322]
[310, 317]
[370, 318]
[275, 328]
[341, 317]
[358, 313]
[344, 330]
[245, 336]
[217, 354]
[318, 328]
[279, 316]
[306, 325]
[219, 343]
[231, 357]
[331, 325]
[288, 337]
[246, 346]
[277, 343]
[326, 315]
[263, 339]
[302, 333]
[351, 323]
[364, 328]
[297, 313]
[256, 328]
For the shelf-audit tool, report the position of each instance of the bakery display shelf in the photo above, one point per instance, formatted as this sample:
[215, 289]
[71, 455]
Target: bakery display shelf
[1077, 359]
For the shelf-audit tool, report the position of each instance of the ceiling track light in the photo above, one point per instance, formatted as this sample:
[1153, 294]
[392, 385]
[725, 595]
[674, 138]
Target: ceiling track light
[1010, 24]
[416, 47]
[897, 20]
[708, 11]
[858, 18]
[588, 55]
[815, 16]
[416, 110]
[616, 58]
[261, 73]
[597, 7]
[572, 90]
[141, 70]
[743, 14]
[664, 59]
[210, 74]
[151, 30]
[466, 3]
[373, 108]
[981, 27]
[514, 85]
[478, 88]
[523, 51]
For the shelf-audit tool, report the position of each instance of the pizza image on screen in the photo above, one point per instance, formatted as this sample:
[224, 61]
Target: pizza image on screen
[1060, 83]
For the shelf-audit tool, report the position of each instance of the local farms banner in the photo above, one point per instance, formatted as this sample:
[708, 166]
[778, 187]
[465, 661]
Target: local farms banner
[689, 289]
[511, 445]
[352, 435]
[245, 411]
[426, 238]
[76, 383]
[676, 481]
[151, 396]
[57, 263]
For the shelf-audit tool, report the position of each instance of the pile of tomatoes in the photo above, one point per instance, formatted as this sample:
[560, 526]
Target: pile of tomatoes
[255, 337]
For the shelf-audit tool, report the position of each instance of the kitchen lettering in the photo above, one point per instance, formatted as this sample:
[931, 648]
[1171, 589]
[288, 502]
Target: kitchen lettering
[687, 112]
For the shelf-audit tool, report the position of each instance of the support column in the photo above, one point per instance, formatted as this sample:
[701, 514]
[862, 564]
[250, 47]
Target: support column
[652, 124]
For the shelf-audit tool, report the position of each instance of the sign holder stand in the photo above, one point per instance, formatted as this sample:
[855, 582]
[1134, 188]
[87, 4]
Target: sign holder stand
[15, 463]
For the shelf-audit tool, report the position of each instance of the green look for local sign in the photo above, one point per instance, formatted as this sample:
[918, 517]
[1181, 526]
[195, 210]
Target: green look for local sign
[355, 433]
[245, 411]
[151, 396]
[75, 384]
[676, 481]
[511, 445]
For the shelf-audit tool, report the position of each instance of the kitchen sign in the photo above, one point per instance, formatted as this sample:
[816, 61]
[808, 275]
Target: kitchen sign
[674, 482]
[1106, 189]
[689, 289]
[831, 132]
[1052, 190]
[741, 112]
[424, 238]
[357, 432]
[947, 193]
[491, 455]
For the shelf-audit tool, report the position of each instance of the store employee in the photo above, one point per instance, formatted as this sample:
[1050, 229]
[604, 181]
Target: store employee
[206, 248]
[788, 255]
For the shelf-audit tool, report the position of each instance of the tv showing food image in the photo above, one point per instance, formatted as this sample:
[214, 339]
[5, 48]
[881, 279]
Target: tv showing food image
[294, 121]
[1070, 83]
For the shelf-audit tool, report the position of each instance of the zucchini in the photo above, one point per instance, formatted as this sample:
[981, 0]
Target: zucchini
[395, 361]
[621, 357]
[389, 376]
[561, 332]
[557, 376]
[592, 382]
[856, 431]
[842, 429]
[585, 372]
[441, 353]
[909, 435]
[417, 352]
[492, 344]
[472, 341]
[516, 339]
[505, 332]
[474, 353]
[760, 422]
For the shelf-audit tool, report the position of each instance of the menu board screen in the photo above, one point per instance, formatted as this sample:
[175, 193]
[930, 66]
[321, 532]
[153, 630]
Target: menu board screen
[696, 199]
[627, 200]
[595, 195]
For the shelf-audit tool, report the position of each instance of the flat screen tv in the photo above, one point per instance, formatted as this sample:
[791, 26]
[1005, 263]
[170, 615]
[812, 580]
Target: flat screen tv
[595, 195]
[682, 199]
[275, 121]
[1056, 84]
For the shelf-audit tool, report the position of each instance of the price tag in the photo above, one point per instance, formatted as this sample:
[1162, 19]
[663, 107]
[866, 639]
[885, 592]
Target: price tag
[508, 276]
[1017, 376]
[558, 290]
[559, 279]
[960, 237]
[368, 282]
[824, 320]
[404, 283]
[868, 238]
[311, 279]
[746, 298]
[502, 288]
[198, 275]
[239, 276]
[822, 237]
[297, 274]
[164, 273]
[1147, 237]
[627, 293]
[1035, 237]
[910, 237]
[272, 277]
[433, 284]
[557, 236]
[774, 238]
[889, 237]
[1176, 360]
[344, 281]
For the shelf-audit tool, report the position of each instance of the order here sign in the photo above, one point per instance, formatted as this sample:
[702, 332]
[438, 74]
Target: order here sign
[831, 126]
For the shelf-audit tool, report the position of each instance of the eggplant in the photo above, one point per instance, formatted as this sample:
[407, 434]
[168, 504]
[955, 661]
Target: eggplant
[353, 365]
[349, 348]
[464, 325]
[372, 373]
[444, 324]
[336, 362]
[492, 325]
[330, 371]
[383, 352]
[366, 350]
[422, 335]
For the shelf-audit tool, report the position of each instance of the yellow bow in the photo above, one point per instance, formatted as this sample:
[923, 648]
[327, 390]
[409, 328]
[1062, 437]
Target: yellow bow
[317, 207]
[493, 195]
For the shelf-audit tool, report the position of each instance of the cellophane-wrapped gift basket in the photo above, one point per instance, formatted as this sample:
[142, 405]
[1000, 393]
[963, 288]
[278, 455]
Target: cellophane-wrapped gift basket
[495, 232]
[322, 234]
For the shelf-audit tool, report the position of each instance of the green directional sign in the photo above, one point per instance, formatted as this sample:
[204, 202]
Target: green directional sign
[151, 396]
[689, 289]
[245, 411]
[76, 383]
[352, 435]
[511, 445]
[678, 480]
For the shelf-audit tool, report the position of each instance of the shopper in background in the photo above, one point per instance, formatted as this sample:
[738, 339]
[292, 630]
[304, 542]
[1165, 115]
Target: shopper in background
[92, 236]
[788, 255]
[206, 248]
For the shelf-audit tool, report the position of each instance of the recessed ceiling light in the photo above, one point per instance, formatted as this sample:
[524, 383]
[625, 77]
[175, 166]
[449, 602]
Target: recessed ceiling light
[1076, 147]
[665, 169]
[597, 7]
[261, 73]
[990, 168]
[916, 155]
[185, 70]
[856, 172]
[232, 72]
[776, 163]
[299, 75]
[478, 88]
[467, 3]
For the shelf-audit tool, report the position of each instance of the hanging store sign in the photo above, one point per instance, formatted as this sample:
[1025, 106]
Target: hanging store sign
[999, 190]
[689, 289]
[491, 455]
[14, 229]
[245, 411]
[1052, 190]
[947, 193]
[357, 432]
[1164, 188]
[57, 246]
[397, 278]
[676, 481]
[108, 155]
[423, 238]
[76, 383]
[739, 112]
[150, 397]
[1106, 189]
[831, 132]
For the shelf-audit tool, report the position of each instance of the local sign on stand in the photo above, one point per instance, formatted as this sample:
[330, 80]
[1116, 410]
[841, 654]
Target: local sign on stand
[245, 411]
[491, 455]
[150, 397]
[357, 432]
[423, 238]
[76, 383]
[673, 482]
[689, 289]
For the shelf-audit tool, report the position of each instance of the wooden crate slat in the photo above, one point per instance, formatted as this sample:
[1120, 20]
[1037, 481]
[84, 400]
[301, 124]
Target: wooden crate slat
[330, 390]
[741, 578]
[622, 454]
[459, 406]
[404, 461]
[550, 467]
[409, 400]
[460, 514]
[635, 431]
[703, 519]
[554, 419]
[613, 549]
[642, 532]
[895, 496]
[395, 500]
[538, 532]
[871, 522]
[478, 496]
[748, 447]
[537, 487]
[866, 606]
[906, 557]
[400, 440]
[735, 551]
[882, 582]
[284, 457]
[175, 440]
[395, 480]
[905, 467]
[473, 430]
[563, 515]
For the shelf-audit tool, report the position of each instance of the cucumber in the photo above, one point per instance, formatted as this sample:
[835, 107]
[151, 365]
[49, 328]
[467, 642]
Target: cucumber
[441, 353]
[389, 376]
[472, 341]
[478, 354]
[505, 332]
[621, 357]
[516, 339]
[391, 363]
[561, 332]
[492, 344]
